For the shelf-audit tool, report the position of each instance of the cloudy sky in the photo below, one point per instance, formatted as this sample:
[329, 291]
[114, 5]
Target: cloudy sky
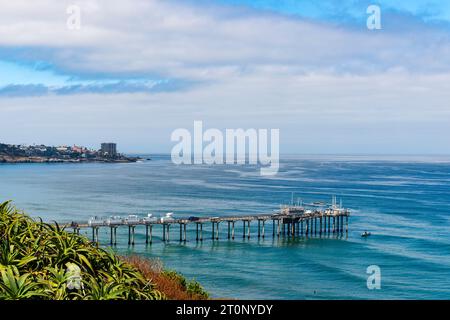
[137, 70]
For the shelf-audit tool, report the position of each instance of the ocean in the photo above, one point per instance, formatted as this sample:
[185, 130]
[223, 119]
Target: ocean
[403, 201]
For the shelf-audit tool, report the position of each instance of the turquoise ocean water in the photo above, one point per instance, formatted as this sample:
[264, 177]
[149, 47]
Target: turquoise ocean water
[403, 201]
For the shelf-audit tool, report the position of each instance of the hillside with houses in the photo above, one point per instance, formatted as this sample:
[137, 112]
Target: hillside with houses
[10, 153]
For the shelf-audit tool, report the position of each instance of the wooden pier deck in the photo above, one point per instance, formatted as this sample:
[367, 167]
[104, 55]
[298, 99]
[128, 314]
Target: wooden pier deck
[289, 221]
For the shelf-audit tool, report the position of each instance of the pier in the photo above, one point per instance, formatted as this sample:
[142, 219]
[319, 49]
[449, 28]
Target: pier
[289, 221]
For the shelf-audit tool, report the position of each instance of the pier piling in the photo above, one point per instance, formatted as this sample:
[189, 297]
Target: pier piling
[334, 224]
[259, 226]
[338, 224]
[95, 238]
[273, 228]
[196, 232]
[131, 235]
[278, 228]
[263, 227]
[148, 234]
[232, 231]
[248, 229]
[217, 230]
[166, 232]
[289, 224]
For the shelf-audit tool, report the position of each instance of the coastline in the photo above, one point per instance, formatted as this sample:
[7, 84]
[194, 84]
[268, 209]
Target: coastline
[9, 159]
[62, 154]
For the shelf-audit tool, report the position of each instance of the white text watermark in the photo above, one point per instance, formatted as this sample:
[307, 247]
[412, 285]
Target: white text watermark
[374, 18]
[374, 278]
[236, 146]
[74, 17]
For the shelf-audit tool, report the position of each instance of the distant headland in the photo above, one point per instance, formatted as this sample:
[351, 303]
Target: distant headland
[71, 154]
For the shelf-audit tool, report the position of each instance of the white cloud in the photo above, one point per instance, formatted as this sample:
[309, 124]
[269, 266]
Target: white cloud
[181, 40]
[326, 88]
[393, 112]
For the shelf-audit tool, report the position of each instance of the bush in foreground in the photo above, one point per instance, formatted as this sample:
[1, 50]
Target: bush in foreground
[42, 261]
[174, 285]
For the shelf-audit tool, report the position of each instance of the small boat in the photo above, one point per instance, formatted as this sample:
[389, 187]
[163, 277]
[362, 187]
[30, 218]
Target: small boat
[365, 234]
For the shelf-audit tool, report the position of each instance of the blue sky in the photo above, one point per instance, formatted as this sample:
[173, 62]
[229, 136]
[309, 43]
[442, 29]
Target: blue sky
[18, 68]
[353, 10]
[135, 71]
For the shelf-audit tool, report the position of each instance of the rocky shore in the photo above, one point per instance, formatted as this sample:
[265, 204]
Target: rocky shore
[61, 154]
[34, 159]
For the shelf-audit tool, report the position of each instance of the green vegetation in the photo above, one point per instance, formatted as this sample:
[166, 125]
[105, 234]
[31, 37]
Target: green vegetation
[191, 286]
[42, 261]
[174, 285]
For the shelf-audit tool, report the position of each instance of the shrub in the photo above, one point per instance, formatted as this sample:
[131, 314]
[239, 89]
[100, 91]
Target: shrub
[174, 285]
[195, 288]
[36, 259]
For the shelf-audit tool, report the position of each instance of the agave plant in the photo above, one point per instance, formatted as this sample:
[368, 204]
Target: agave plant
[15, 286]
[54, 283]
[104, 290]
[35, 256]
